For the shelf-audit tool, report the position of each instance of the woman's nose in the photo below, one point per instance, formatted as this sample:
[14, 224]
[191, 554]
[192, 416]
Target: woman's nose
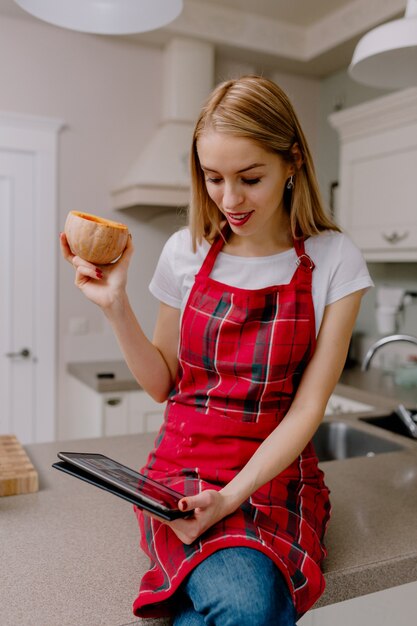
[232, 197]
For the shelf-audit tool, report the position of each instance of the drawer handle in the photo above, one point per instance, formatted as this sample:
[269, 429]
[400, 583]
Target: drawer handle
[114, 401]
[395, 237]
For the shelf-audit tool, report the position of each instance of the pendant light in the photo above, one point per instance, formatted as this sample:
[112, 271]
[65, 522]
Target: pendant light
[386, 57]
[105, 17]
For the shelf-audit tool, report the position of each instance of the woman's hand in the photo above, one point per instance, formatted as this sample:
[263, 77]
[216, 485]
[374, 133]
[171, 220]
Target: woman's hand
[209, 506]
[103, 284]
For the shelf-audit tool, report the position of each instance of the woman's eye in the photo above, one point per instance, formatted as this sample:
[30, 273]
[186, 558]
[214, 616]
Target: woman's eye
[246, 181]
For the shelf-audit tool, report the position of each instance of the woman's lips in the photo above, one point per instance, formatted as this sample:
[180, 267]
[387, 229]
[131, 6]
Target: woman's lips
[238, 219]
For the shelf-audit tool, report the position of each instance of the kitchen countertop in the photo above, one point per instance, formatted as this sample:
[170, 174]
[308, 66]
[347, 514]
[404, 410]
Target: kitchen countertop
[71, 554]
[103, 376]
[377, 384]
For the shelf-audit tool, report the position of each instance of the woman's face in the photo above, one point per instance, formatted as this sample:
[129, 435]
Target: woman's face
[246, 183]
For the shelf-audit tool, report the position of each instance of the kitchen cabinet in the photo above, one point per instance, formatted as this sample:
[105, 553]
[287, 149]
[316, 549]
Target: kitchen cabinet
[95, 414]
[130, 412]
[92, 412]
[377, 202]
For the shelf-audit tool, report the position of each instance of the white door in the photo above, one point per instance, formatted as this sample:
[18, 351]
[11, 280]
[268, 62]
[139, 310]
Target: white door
[28, 245]
[17, 340]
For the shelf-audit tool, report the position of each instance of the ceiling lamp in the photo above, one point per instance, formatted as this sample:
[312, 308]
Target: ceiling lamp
[387, 56]
[105, 17]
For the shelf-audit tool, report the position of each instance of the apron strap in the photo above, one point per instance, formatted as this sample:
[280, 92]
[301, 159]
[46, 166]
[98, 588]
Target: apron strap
[304, 262]
[216, 246]
[304, 271]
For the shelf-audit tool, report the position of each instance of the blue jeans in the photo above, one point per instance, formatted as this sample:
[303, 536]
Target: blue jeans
[235, 587]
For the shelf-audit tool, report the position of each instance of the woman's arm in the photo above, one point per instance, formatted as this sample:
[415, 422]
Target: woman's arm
[292, 435]
[153, 363]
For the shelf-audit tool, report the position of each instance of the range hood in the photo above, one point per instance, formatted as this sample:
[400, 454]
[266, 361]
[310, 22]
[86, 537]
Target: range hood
[160, 175]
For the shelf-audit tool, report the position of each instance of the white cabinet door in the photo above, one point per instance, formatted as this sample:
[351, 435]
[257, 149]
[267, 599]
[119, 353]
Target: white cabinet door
[93, 414]
[145, 415]
[115, 413]
[378, 185]
[131, 412]
[83, 412]
[378, 193]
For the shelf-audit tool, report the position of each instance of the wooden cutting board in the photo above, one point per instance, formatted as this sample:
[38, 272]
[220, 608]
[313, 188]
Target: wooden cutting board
[17, 474]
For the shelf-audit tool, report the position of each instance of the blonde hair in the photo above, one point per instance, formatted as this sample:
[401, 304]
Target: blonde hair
[256, 108]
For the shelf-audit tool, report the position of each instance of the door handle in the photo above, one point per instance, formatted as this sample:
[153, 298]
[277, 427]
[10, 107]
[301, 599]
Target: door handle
[23, 354]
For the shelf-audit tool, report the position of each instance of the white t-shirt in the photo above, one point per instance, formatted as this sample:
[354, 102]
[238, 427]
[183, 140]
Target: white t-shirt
[340, 269]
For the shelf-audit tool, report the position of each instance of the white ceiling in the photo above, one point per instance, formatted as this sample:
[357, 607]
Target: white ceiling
[300, 12]
[310, 37]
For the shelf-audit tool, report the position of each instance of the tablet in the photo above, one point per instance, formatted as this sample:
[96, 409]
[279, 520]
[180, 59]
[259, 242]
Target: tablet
[124, 482]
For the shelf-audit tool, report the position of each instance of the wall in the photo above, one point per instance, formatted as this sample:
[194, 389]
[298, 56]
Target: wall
[336, 92]
[107, 91]
[303, 92]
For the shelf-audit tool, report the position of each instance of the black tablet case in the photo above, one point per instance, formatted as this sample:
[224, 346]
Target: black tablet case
[73, 470]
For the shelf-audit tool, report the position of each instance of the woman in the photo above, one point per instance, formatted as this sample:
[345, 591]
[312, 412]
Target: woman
[258, 299]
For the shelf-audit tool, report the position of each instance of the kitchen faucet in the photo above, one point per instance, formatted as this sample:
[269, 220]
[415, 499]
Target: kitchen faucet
[408, 419]
[382, 342]
[405, 416]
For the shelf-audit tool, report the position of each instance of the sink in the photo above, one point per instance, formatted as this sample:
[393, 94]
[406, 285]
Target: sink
[389, 422]
[338, 440]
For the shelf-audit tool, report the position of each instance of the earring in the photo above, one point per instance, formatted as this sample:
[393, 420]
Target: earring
[290, 183]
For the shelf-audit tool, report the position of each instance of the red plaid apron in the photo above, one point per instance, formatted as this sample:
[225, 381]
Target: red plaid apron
[242, 355]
